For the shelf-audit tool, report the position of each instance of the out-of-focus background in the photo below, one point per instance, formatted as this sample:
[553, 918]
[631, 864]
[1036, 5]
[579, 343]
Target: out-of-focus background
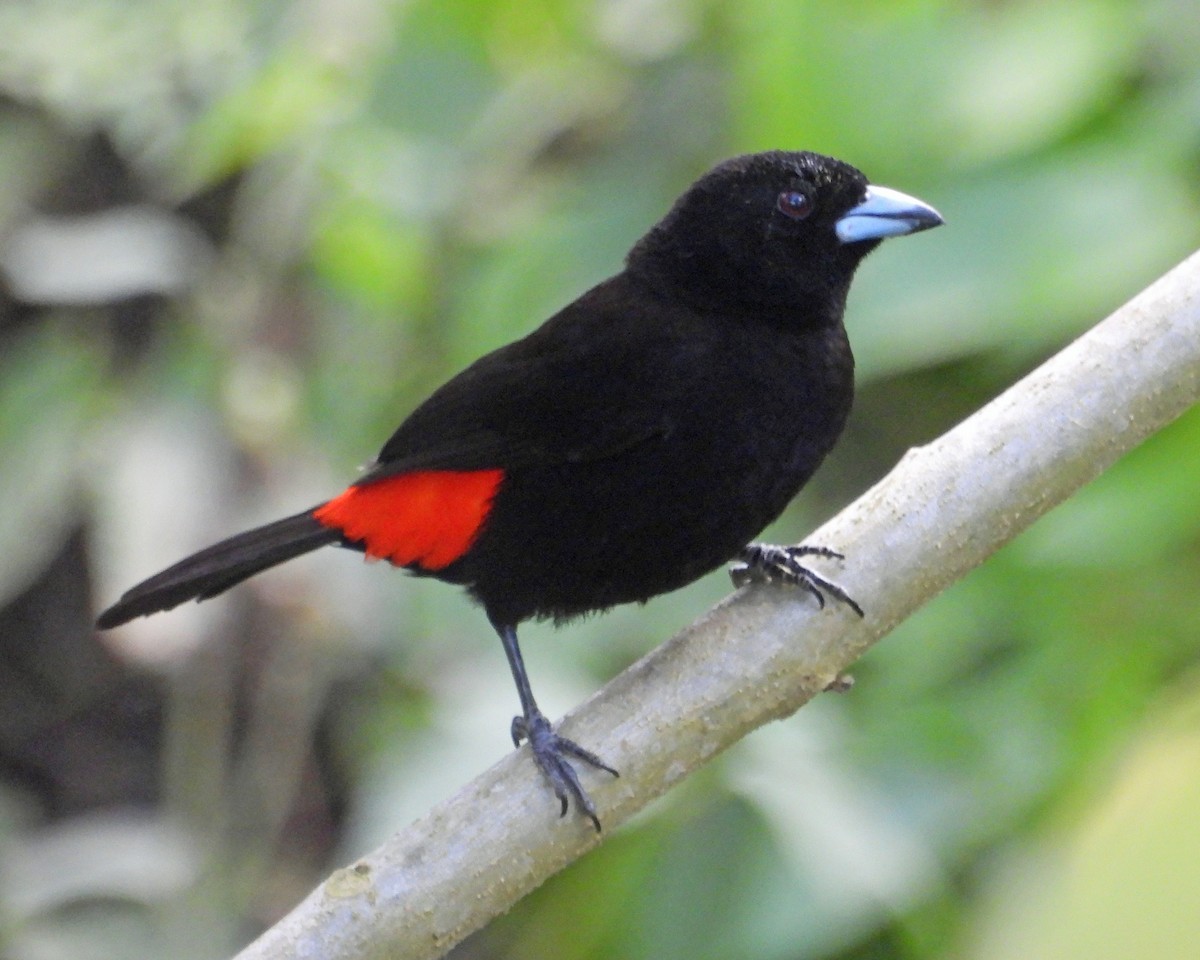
[240, 239]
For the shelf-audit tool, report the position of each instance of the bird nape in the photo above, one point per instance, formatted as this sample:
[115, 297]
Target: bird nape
[638, 439]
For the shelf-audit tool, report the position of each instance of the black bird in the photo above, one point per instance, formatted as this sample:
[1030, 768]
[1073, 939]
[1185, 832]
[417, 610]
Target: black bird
[638, 439]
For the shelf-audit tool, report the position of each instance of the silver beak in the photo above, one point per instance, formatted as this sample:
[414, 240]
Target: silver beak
[886, 213]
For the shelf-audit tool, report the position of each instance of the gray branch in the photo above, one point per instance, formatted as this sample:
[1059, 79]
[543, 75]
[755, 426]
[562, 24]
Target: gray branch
[764, 652]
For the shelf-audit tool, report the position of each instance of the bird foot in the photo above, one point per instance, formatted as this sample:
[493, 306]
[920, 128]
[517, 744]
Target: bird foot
[553, 755]
[766, 563]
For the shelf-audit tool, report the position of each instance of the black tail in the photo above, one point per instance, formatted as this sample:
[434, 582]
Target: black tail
[212, 571]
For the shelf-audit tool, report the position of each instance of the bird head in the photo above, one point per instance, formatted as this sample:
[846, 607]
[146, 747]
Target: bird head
[782, 229]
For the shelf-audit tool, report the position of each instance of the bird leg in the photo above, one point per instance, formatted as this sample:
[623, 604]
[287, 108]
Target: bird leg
[766, 563]
[552, 753]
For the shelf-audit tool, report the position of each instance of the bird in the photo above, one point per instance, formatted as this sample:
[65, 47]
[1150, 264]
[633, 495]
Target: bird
[635, 441]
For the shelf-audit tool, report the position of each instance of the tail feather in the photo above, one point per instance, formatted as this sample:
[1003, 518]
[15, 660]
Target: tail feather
[219, 567]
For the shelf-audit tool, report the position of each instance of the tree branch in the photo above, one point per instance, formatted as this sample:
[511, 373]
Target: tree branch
[764, 652]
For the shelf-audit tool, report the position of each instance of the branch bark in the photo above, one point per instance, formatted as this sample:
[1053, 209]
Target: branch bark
[764, 652]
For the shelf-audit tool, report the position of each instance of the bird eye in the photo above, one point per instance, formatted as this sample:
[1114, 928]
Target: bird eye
[794, 204]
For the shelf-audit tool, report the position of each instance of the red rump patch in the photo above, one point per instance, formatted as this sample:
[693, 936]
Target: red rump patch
[428, 518]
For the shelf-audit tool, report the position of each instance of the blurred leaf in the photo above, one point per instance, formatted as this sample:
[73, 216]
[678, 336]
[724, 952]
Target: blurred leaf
[49, 389]
[1121, 877]
[365, 255]
[840, 80]
[1028, 72]
[719, 888]
[1143, 509]
[288, 99]
[541, 270]
[1029, 257]
[621, 869]
[848, 856]
[124, 252]
[114, 856]
[436, 79]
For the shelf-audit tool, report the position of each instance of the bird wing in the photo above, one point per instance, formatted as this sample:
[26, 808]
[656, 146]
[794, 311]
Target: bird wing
[537, 401]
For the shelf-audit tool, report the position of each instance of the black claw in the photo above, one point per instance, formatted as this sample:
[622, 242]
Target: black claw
[816, 593]
[772, 564]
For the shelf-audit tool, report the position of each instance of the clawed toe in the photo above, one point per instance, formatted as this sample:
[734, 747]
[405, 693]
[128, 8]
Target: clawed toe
[763, 562]
[552, 754]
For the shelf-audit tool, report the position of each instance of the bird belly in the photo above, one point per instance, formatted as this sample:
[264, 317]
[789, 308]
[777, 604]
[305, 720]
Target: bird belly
[568, 539]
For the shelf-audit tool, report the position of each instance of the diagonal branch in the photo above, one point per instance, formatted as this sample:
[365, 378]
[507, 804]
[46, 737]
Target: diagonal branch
[764, 652]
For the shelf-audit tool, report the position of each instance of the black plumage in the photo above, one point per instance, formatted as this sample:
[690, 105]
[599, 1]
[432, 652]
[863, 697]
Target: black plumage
[638, 439]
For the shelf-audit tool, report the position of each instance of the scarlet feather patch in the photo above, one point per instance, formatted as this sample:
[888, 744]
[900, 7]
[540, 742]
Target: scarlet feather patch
[428, 518]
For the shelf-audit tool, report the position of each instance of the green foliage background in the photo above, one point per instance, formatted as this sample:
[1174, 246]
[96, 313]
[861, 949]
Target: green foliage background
[403, 186]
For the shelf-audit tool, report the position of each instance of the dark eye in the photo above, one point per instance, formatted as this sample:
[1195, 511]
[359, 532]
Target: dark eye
[794, 204]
